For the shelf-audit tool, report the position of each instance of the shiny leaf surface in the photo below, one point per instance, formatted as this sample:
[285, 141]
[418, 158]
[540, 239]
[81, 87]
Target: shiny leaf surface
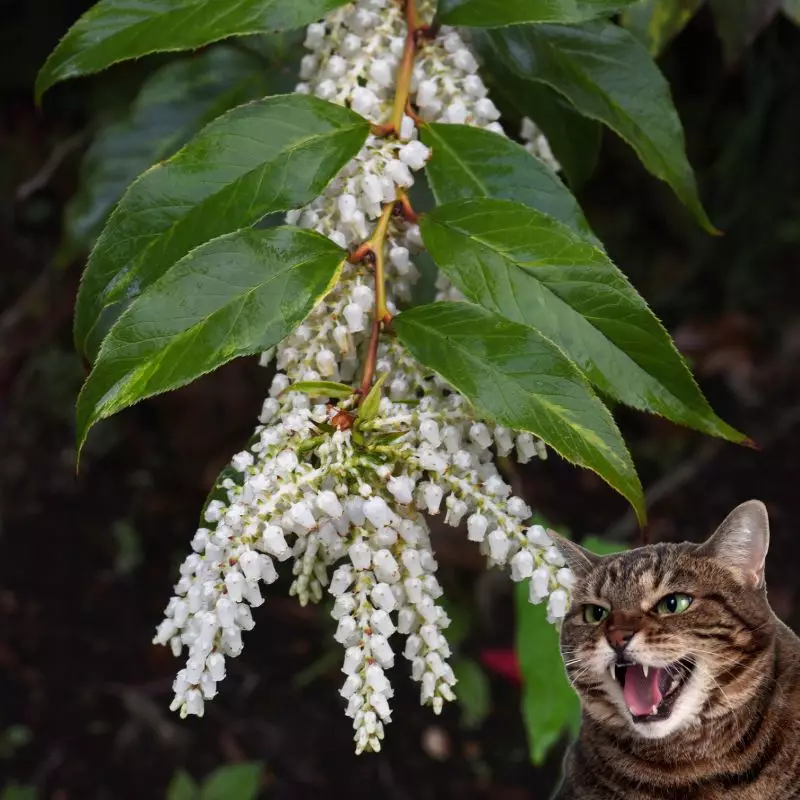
[517, 377]
[532, 269]
[493, 14]
[608, 75]
[267, 156]
[235, 295]
[173, 104]
[116, 30]
[470, 163]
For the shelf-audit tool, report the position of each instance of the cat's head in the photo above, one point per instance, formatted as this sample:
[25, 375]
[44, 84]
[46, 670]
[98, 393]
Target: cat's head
[668, 636]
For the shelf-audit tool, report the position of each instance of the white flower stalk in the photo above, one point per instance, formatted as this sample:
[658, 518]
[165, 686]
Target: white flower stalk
[349, 510]
[320, 499]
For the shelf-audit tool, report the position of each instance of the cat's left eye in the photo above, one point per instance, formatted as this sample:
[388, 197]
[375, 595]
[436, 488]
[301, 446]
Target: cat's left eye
[593, 614]
[673, 604]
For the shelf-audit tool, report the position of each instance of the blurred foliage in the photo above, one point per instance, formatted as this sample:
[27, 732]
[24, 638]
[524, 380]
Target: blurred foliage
[174, 103]
[550, 709]
[474, 694]
[14, 738]
[792, 9]
[233, 782]
[474, 691]
[658, 22]
[739, 22]
[15, 791]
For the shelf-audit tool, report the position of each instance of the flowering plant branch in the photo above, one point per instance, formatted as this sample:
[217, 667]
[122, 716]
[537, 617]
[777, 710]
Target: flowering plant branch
[342, 472]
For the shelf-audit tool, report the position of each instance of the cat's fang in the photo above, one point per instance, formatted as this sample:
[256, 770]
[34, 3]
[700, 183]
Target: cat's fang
[654, 710]
[612, 669]
[645, 669]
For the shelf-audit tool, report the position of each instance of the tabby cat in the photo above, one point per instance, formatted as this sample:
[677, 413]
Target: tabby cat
[689, 684]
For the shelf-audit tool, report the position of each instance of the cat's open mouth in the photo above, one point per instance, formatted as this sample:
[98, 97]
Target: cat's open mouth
[650, 692]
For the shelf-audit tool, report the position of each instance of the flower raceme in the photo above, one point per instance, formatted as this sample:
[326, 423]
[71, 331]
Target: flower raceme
[350, 517]
[346, 504]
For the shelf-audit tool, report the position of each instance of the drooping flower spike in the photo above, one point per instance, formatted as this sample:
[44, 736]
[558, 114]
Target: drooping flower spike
[346, 505]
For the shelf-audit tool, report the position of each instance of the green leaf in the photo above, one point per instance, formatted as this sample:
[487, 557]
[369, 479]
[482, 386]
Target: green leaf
[530, 268]
[369, 406]
[657, 22]
[462, 619]
[515, 376]
[235, 295]
[182, 787]
[609, 76]
[271, 155]
[792, 9]
[574, 139]
[15, 791]
[473, 692]
[550, 708]
[322, 388]
[470, 163]
[234, 782]
[116, 30]
[173, 104]
[494, 14]
[602, 547]
[739, 22]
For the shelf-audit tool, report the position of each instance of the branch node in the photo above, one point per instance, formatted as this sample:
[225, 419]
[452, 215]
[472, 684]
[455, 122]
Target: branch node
[362, 253]
[384, 130]
[404, 209]
[426, 33]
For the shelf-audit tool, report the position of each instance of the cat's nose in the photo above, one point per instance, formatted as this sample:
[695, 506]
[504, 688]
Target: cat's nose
[622, 627]
[619, 638]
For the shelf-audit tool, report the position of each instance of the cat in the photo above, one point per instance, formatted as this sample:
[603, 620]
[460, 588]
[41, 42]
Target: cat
[689, 684]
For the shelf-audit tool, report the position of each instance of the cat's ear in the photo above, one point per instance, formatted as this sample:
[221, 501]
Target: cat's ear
[741, 542]
[579, 559]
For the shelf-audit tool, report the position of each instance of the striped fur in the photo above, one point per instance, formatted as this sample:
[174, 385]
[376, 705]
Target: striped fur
[734, 729]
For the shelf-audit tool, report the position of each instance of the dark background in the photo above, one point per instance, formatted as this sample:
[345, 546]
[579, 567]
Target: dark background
[87, 563]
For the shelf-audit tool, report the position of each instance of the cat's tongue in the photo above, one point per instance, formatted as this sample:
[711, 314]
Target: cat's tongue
[642, 693]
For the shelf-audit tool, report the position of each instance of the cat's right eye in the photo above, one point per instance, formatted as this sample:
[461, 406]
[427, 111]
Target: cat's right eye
[594, 614]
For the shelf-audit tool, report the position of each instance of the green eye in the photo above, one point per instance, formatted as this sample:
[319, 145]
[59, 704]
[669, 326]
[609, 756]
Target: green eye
[594, 614]
[673, 604]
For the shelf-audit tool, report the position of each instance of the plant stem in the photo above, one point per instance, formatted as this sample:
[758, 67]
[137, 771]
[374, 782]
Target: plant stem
[373, 248]
[401, 97]
[369, 361]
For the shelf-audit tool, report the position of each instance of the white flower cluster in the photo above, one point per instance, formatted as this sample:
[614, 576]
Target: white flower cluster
[323, 499]
[347, 506]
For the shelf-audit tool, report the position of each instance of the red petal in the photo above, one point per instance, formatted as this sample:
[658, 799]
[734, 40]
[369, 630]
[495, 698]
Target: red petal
[503, 663]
